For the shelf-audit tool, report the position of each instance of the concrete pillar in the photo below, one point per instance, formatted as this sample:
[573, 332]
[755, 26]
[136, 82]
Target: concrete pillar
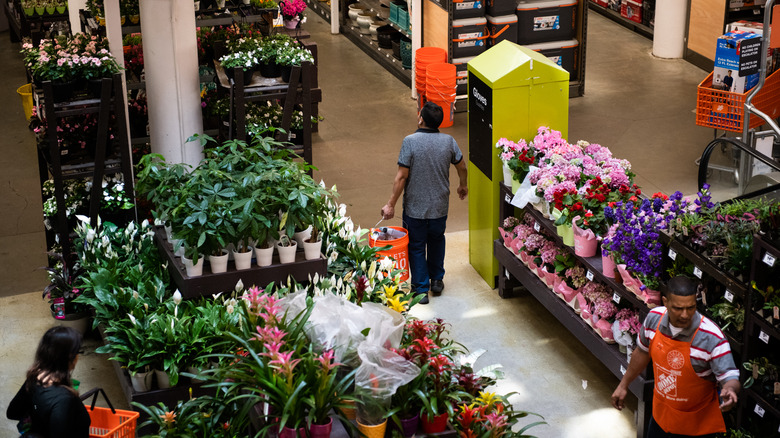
[669, 31]
[172, 80]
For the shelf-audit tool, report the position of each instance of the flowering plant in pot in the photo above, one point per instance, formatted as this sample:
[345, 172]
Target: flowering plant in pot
[626, 327]
[62, 289]
[518, 157]
[328, 387]
[491, 415]
[292, 9]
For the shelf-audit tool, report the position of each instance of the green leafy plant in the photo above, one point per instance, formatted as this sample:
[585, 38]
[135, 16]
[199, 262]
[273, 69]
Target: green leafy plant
[63, 281]
[730, 314]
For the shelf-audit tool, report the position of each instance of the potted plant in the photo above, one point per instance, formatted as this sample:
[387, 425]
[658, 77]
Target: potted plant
[127, 342]
[28, 6]
[291, 55]
[244, 61]
[292, 12]
[328, 391]
[286, 246]
[62, 291]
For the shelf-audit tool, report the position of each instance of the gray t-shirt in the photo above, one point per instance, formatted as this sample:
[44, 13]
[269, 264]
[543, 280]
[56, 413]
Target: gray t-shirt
[428, 154]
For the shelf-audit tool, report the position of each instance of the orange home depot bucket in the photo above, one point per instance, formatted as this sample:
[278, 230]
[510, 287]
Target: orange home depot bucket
[431, 54]
[399, 250]
[448, 108]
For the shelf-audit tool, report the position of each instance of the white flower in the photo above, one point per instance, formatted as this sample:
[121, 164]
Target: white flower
[386, 264]
[177, 297]
[132, 319]
[230, 309]
[90, 235]
[239, 286]
[135, 294]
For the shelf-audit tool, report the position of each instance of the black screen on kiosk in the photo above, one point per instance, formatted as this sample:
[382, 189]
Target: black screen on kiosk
[481, 148]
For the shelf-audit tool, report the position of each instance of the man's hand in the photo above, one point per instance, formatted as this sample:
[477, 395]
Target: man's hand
[462, 192]
[388, 211]
[728, 395]
[618, 397]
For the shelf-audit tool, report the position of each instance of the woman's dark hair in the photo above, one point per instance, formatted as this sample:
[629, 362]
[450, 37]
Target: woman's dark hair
[58, 348]
[432, 115]
[682, 286]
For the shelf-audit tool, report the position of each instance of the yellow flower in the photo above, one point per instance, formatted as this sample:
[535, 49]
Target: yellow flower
[396, 304]
[169, 417]
[486, 398]
[390, 291]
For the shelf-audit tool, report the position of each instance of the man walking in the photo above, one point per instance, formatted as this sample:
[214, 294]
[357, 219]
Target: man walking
[423, 177]
[690, 358]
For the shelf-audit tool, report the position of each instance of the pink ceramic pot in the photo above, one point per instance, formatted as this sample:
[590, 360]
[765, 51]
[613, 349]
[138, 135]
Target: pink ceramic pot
[608, 266]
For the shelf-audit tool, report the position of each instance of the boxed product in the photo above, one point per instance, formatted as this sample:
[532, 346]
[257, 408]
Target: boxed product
[467, 9]
[497, 8]
[469, 37]
[747, 26]
[648, 13]
[602, 3]
[746, 3]
[632, 10]
[545, 20]
[737, 58]
[502, 28]
[563, 53]
[462, 74]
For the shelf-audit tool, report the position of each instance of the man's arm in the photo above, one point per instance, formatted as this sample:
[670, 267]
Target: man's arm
[463, 188]
[388, 211]
[639, 361]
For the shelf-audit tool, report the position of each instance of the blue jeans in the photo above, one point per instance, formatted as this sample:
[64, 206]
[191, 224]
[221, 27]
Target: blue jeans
[426, 236]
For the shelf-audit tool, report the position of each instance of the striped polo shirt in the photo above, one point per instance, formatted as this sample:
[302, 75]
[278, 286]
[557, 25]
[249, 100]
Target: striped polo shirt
[710, 351]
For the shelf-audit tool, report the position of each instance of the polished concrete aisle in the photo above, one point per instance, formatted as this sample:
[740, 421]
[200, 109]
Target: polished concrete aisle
[639, 106]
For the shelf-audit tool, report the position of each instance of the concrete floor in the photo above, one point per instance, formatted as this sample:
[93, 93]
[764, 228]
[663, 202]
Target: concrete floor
[639, 106]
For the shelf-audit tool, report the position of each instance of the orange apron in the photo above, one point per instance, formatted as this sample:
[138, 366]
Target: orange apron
[683, 403]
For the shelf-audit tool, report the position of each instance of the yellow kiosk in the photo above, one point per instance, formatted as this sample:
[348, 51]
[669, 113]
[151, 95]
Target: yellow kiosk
[512, 92]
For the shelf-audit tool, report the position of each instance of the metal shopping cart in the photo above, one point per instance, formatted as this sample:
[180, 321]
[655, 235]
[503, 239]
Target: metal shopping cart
[730, 111]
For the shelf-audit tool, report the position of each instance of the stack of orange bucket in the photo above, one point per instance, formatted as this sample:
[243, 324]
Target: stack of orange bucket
[441, 84]
[422, 57]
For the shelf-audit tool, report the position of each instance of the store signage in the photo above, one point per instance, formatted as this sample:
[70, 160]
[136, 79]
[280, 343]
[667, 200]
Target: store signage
[481, 144]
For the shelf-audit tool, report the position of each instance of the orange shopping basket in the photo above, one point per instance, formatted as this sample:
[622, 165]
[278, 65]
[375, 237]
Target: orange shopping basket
[725, 110]
[109, 422]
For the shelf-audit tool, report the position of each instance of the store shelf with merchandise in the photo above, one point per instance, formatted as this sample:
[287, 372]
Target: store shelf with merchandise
[321, 8]
[512, 273]
[383, 56]
[642, 27]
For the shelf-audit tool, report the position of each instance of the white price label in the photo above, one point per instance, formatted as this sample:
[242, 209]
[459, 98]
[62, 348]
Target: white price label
[622, 369]
[672, 254]
[729, 296]
[697, 272]
[537, 227]
[507, 199]
[769, 259]
[616, 298]
[759, 411]
[589, 275]
[763, 336]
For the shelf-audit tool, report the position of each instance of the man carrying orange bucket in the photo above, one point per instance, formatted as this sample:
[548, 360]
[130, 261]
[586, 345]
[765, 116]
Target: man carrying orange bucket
[423, 177]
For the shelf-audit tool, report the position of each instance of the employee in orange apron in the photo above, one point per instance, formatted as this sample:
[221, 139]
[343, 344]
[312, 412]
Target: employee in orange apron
[691, 357]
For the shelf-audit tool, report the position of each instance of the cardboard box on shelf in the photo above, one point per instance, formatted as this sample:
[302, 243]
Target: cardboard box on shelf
[746, 3]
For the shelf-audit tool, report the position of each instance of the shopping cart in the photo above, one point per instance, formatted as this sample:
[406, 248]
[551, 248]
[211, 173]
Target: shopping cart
[109, 422]
[729, 111]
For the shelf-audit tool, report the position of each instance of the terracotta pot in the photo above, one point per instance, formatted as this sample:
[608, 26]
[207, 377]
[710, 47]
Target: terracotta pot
[436, 425]
[372, 430]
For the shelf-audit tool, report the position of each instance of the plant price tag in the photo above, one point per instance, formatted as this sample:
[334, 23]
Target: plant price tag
[729, 296]
[507, 199]
[769, 259]
[589, 276]
[776, 311]
[672, 254]
[616, 298]
[759, 411]
[755, 371]
[777, 388]
[697, 272]
[763, 336]
[622, 370]
[537, 227]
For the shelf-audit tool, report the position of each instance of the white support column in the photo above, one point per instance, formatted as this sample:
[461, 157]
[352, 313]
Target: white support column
[335, 17]
[73, 14]
[417, 27]
[172, 81]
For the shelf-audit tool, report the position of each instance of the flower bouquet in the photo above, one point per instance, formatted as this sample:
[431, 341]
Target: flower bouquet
[625, 328]
[516, 157]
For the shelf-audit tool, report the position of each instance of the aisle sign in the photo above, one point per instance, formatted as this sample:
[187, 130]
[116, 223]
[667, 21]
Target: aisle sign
[481, 145]
[672, 254]
[729, 296]
[697, 272]
[763, 336]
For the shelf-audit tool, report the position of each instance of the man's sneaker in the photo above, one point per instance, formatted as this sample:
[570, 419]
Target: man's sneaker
[424, 300]
[436, 287]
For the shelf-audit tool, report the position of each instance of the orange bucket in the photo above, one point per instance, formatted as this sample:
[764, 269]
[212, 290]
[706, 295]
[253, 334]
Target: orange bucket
[448, 108]
[441, 70]
[399, 250]
[431, 53]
